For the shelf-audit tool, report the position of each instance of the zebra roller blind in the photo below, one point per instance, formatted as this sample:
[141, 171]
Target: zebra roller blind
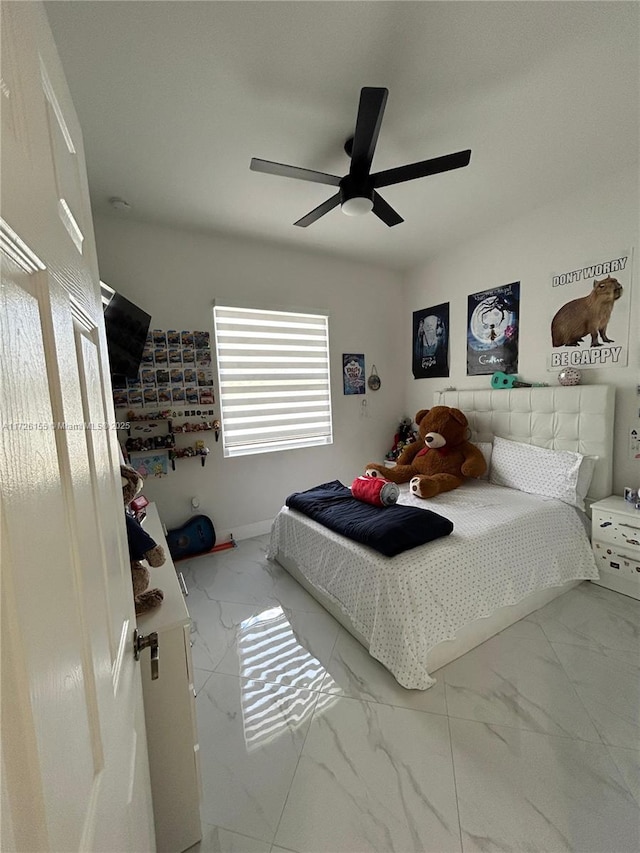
[273, 378]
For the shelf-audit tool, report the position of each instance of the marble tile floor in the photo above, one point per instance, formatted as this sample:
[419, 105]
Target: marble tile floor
[530, 742]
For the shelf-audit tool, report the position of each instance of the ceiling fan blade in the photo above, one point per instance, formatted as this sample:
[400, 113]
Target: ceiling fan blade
[370, 112]
[284, 171]
[319, 211]
[422, 169]
[385, 212]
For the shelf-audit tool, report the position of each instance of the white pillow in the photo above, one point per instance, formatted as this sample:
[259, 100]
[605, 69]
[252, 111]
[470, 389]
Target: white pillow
[486, 448]
[587, 468]
[541, 471]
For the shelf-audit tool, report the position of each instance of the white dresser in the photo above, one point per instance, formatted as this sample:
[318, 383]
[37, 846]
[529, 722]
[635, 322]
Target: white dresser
[615, 538]
[169, 708]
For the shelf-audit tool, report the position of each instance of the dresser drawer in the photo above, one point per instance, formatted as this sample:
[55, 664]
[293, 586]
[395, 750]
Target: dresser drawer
[620, 530]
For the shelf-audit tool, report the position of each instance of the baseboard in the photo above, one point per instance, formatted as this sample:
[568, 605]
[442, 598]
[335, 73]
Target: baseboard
[245, 531]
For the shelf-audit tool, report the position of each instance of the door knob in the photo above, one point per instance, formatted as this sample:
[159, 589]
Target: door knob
[150, 641]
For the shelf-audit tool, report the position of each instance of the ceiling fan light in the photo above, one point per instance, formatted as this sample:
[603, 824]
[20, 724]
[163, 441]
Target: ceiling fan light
[357, 206]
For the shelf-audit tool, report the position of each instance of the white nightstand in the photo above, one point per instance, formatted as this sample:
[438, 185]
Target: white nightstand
[615, 538]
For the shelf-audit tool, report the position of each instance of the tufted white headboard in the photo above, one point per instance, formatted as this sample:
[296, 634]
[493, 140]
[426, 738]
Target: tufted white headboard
[578, 418]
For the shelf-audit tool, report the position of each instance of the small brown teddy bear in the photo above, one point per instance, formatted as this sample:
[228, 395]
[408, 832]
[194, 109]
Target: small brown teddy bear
[141, 547]
[440, 460]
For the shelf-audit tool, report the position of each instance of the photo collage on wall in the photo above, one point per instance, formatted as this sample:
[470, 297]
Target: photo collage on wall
[493, 318]
[175, 370]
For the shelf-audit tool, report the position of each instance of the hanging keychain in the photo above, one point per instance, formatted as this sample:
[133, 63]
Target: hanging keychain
[374, 380]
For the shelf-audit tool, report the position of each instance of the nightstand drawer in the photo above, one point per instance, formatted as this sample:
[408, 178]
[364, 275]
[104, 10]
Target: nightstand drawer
[616, 561]
[615, 538]
[619, 530]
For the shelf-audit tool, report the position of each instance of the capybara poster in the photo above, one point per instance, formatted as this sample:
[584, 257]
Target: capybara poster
[590, 314]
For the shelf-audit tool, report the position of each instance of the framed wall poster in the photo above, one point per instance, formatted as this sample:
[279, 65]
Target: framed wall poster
[493, 318]
[589, 314]
[353, 377]
[150, 464]
[430, 342]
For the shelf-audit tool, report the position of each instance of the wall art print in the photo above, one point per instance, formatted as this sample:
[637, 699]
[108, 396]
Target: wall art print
[430, 342]
[353, 376]
[150, 464]
[493, 318]
[175, 369]
[589, 314]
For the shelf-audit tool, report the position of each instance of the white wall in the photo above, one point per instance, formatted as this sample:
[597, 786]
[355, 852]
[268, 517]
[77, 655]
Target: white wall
[601, 218]
[175, 276]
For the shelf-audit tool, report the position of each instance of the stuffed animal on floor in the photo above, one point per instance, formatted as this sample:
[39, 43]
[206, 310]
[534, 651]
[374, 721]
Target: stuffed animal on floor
[440, 460]
[141, 547]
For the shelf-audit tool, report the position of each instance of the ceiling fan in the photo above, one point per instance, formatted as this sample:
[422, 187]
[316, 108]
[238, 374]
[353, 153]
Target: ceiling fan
[357, 192]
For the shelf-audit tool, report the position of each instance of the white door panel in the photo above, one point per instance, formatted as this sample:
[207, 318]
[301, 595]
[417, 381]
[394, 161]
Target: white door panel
[74, 762]
[43, 578]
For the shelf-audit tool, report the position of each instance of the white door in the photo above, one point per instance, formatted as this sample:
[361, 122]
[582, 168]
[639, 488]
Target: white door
[74, 760]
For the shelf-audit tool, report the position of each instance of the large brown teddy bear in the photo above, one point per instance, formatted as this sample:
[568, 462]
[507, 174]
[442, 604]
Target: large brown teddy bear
[141, 547]
[440, 460]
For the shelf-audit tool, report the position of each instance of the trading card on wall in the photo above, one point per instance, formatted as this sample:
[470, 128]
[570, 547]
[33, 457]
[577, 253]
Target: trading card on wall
[493, 318]
[160, 355]
[201, 340]
[164, 394]
[186, 339]
[177, 375]
[203, 358]
[150, 396]
[589, 311]
[159, 338]
[205, 377]
[135, 396]
[430, 352]
[188, 355]
[163, 376]
[177, 394]
[175, 355]
[191, 394]
[190, 376]
[120, 398]
[206, 396]
[173, 338]
[353, 375]
[147, 355]
[148, 375]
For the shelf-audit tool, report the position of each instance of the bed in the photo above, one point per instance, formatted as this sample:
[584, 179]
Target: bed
[509, 554]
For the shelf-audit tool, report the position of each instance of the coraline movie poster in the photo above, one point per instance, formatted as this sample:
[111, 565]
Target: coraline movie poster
[492, 330]
[431, 342]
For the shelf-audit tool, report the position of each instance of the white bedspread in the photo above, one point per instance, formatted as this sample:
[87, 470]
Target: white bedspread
[505, 545]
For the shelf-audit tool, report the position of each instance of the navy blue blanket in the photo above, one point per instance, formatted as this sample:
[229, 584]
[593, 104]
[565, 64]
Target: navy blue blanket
[390, 530]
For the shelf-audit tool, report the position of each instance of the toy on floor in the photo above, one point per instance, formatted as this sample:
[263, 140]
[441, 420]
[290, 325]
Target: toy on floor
[442, 458]
[141, 547]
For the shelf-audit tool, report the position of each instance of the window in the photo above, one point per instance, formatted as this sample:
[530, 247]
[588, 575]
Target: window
[273, 378]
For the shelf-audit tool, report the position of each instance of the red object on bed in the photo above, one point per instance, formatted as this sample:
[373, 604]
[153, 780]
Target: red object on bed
[375, 490]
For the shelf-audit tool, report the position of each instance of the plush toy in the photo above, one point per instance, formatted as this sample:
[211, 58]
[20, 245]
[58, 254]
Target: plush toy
[141, 547]
[405, 434]
[440, 460]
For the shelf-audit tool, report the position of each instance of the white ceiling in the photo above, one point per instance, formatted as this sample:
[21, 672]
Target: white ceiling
[174, 99]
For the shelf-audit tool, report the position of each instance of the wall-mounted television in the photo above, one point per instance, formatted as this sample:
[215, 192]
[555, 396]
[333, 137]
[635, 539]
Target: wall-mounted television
[127, 327]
